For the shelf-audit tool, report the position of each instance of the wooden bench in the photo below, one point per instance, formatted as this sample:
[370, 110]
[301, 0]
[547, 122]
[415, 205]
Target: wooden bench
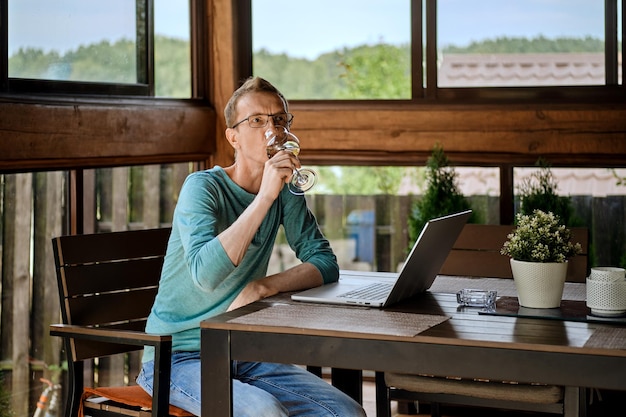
[107, 284]
[476, 253]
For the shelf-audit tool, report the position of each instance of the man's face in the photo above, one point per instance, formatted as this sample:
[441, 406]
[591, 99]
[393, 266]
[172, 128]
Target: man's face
[251, 141]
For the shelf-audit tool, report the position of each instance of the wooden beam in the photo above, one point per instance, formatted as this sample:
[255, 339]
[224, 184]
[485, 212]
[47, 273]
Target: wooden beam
[224, 73]
[581, 135]
[90, 134]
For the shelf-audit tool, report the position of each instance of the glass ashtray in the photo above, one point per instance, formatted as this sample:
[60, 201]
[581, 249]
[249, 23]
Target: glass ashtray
[477, 298]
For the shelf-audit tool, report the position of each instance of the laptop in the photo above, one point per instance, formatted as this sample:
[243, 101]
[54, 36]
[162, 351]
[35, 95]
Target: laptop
[382, 289]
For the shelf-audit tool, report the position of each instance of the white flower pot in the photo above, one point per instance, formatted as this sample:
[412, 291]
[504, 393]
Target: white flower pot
[539, 284]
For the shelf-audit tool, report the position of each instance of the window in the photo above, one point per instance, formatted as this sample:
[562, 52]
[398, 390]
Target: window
[518, 43]
[73, 40]
[353, 49]
[172, 51]
[444, 49]
[73, 46]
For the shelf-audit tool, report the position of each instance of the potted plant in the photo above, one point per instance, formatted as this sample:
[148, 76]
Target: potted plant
[539, 248]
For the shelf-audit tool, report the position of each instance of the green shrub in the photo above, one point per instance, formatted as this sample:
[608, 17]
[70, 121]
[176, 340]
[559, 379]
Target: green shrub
[538, 192]
[5, 399]
[442, 196]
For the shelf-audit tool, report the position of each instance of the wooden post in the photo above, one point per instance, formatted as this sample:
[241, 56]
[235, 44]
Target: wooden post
[151, 196]
[384, 232]
[119, 203]
[19, 272]
[111, 370]
[48, 209]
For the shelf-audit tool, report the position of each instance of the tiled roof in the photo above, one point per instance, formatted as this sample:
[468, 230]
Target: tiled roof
[502, 70]
[598, 182]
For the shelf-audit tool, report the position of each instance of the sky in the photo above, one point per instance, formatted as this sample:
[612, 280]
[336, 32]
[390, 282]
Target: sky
[337, 23]
[306, 28]
[65, 24]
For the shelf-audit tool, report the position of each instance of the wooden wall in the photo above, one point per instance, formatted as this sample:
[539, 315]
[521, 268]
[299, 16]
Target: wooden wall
[576, 135]
[37, 133]
[80, 134]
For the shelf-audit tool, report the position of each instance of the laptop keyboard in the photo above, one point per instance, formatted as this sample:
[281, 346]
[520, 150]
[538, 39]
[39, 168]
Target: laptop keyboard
[369, 292]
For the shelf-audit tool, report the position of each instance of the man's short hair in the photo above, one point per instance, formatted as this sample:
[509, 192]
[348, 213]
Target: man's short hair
[251, 85]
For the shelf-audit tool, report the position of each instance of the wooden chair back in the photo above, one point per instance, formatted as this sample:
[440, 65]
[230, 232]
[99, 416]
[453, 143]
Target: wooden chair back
[108, 280]
[107, 285]
[476, 253]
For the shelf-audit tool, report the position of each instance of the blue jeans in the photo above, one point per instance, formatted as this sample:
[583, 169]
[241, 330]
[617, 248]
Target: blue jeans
[259, 389]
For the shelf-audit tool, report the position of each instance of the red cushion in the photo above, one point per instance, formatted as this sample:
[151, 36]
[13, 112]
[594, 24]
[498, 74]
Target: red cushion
[132, 395]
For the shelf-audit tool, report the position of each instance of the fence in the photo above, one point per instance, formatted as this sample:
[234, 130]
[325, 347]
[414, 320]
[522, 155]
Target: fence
[33, 209]
[367, 232]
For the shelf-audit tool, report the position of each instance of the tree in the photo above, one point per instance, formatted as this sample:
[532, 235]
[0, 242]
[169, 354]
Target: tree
[442, 196]
[539, 192]
[540, 44]
[377, 72]
[364, 180]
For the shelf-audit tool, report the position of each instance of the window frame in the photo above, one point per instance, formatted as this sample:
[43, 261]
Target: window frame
[610, 91]
[145, 65]
[424, 12]
[107, 125]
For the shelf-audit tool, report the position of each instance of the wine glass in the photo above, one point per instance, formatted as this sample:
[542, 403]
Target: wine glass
[280, 138]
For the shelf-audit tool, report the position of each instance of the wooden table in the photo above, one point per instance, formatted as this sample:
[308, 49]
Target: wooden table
[464, 343]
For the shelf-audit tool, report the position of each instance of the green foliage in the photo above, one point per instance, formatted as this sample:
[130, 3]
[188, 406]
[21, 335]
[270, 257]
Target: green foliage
[322, 75]
[380, 71]
[5, 399]
[34, 63]
[540, 237]
[364, 72]
[377, 72]
[540, 44]
[106, 62]
[172, 67]
[442, 196]
[621, 181]
[538, 192]
[103, 62]
[97, 62]
[364, 180]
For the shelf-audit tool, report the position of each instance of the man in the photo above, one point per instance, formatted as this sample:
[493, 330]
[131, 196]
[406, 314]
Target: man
[223, 231]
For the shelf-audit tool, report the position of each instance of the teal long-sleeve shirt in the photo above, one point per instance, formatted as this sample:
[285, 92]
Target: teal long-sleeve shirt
[198, 279]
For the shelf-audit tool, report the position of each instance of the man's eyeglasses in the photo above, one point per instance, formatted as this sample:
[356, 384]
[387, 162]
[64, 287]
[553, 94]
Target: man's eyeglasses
[260, 120]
